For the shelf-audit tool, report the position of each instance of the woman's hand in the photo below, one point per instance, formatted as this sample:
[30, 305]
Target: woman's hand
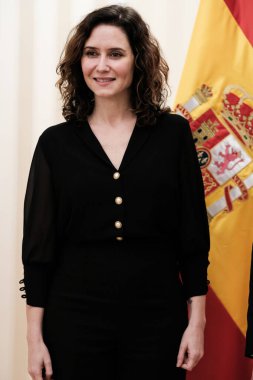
[191, 348]
[38, 355]
[39, 358]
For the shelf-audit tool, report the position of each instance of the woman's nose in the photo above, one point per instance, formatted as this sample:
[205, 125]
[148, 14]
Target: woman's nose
[102, 64]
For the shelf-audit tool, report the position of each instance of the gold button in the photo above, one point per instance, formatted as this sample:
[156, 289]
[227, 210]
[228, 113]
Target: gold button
[119, 238]
[116, 175]
[118, 200]
[118, 224]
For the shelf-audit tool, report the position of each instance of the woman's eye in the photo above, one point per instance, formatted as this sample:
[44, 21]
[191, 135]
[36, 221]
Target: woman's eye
[90, 53]
[116, 54]
[93, 53]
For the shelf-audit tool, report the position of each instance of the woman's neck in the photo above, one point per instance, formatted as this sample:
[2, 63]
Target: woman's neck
[111, 111]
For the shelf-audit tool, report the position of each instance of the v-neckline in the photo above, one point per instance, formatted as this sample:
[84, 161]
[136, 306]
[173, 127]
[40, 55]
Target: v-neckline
[138, 138]
[104, 152]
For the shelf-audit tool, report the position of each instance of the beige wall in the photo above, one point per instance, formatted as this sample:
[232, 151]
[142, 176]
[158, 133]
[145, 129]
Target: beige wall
[32, 34]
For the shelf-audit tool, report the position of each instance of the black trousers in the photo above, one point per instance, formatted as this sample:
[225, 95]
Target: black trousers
[115, 319]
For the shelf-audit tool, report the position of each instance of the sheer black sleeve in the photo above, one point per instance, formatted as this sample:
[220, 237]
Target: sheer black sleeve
[194, 229]
[38, 245]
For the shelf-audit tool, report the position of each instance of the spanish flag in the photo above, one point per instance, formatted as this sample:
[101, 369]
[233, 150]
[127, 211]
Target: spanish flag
[216, 96]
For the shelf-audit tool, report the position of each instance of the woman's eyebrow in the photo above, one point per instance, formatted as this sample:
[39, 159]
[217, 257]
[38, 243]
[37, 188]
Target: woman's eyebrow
[110, 49]
[117, 48]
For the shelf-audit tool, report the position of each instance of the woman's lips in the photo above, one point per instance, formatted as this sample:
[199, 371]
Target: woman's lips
[104, 81]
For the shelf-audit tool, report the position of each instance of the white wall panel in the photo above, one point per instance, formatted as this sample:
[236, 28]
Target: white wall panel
[9, 69]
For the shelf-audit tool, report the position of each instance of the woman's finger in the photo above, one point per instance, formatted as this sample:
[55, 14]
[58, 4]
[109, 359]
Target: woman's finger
[181, 354]
[48, 370]
[38, 376]
[191, 362]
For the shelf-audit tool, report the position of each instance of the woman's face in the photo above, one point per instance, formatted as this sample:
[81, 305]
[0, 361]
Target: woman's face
[108, 62]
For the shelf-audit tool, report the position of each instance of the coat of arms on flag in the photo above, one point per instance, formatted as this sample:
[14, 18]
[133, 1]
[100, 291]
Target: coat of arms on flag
[224, 143]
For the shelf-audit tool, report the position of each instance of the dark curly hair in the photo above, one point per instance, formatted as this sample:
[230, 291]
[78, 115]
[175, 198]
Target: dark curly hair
[149, 86]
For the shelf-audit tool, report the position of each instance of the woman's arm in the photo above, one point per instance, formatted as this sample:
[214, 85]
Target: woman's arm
[197, 312]
[192, 344]
[38, 355]
[194, 247]
[34, 317]
[38, 253]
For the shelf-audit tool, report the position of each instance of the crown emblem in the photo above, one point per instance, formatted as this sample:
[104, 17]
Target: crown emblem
[203, 93]
[200, 96]
[237, 110]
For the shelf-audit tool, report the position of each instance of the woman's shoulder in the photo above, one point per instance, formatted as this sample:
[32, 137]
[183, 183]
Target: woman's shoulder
[57, 131]
[55, 138]
[57, 135]
[172, 123]
[171, 119]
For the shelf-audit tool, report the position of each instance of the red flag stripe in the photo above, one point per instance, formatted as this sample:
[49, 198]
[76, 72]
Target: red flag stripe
[242, 10]
[224, 352]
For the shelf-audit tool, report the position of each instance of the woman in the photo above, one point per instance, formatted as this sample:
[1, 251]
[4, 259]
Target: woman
[115, 230]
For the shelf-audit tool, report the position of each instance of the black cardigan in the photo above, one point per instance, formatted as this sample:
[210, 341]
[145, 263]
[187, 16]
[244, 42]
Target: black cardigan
[71, 191]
